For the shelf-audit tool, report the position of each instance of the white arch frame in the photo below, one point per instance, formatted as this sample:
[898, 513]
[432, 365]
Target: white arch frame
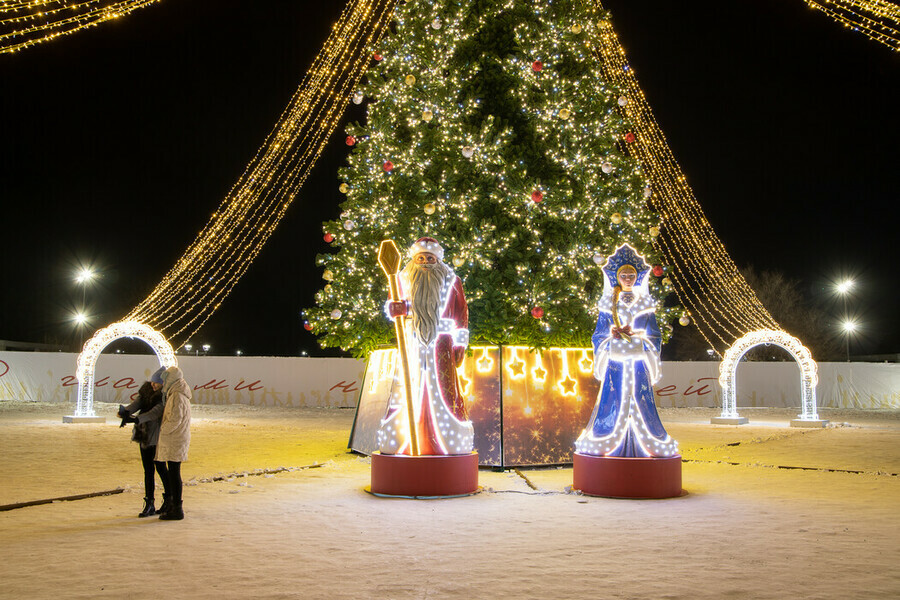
[809, 378]
[87, 360]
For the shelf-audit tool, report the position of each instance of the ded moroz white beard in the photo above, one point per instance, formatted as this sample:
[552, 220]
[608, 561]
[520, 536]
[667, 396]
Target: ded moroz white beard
[425, 296]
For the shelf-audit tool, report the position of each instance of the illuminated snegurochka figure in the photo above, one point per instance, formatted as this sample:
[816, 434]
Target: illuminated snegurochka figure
[436, 338]
[627, 342]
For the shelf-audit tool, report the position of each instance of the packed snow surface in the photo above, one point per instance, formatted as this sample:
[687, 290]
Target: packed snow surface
[276, 508]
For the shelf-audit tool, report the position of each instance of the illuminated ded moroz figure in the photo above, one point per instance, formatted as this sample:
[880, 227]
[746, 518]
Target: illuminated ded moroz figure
[624, 422]
[436, 336]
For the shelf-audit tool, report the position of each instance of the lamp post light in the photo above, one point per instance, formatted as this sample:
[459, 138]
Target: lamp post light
[843, 289]
[84, 277]
[188, 347]
[849, 327]
[206, 349]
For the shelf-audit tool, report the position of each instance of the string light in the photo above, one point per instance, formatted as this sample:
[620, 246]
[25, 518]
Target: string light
[222, 252]
[461, 172]
[878, 20]
[27, 23]
[704, 276]
[808, 370]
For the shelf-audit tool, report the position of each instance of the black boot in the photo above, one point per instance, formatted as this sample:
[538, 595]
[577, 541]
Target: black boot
[166, 505]
[149, 509]
[175, 512]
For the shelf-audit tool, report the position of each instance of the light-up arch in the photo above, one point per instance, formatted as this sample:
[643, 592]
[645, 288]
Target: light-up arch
[808, 370]
[87, 360]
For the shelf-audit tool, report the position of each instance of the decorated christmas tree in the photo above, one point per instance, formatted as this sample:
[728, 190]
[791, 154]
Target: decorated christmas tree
[490, 128]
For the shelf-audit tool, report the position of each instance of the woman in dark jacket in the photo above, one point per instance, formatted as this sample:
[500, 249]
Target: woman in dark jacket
[146, 413]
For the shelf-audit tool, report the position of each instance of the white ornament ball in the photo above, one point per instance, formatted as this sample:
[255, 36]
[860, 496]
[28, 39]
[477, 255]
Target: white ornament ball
[358, 97]
[607, 167]
[436, 24]
[468, 151]
[336, 314]
[430, 208]
[427, 115]
[622, 100]
[684, 321]
[598, 259]
[647, 192]
[458, 261]
[348, 224]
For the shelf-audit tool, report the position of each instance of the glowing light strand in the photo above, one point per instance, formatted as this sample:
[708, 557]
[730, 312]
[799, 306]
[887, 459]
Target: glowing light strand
[878, 20]
[223, 251]
[704, 276]
[25, 24]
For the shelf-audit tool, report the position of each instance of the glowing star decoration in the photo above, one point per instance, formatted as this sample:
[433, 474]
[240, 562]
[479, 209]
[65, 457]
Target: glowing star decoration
[566, 383]
[87, 360]
[586, 364]
[808, 370]
[516, 366]
[485, 363]
[539, 372]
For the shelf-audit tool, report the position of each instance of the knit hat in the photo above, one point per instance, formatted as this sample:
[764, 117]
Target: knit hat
[157, 377]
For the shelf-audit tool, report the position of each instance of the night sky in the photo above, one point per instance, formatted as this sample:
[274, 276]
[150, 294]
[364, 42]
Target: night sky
[119, 142]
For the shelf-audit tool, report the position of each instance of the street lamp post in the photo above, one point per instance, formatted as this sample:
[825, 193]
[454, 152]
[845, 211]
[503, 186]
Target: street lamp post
[849, 326]
[83, 277]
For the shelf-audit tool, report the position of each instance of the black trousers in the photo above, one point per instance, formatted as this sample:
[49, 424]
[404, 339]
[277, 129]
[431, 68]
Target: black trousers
[149, 464]
[175, 485]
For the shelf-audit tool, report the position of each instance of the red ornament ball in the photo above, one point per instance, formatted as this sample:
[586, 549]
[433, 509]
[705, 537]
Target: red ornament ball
[351, 141]
[658, 270]
[388, 166]
[630, 137]
[537, 312]
[328, 238]
[538, 66]
[537, 196]
[307, 325]
[377, 56]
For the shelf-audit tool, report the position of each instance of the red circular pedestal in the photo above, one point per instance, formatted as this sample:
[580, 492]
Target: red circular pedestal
[618, 477]
[401, 475]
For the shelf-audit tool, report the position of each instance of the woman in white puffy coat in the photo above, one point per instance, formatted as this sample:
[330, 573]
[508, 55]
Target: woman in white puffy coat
[174, 436]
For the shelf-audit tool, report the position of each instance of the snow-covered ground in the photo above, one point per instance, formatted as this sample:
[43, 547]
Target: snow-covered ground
[770, 512]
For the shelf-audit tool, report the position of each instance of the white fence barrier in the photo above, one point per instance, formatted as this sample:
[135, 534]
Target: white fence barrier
[335, 382]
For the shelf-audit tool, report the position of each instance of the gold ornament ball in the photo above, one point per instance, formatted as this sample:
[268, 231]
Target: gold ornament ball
[666, 281]
[344, 188]
[576, 28]
[616, 218]
[458, 261]
[654, 231]
[430, 208]
[427, 115]
[410, 80]
[327, 288]
[684, 321]
[564, 114]
[328, 275]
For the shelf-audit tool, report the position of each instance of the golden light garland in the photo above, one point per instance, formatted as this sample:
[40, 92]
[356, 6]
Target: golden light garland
[223, 251]
[879, 20]
[24, 24]
[704, 276]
